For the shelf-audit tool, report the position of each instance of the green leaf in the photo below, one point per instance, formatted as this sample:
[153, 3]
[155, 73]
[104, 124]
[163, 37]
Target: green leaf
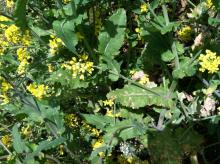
[40, 32]
[18, 144]
[112, 36]
[65, 31]
[98, 120]
[167, 56]
[126, 129]
[65, 78]
[136, 97]
[112, 66]
[186, 69]
[213, 21]
[20, 13]
[46, 145]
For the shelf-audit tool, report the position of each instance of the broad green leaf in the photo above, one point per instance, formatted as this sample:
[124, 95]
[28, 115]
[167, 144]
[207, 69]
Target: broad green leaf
[113, 66]
[98, 120]
[136, 97]
[186, 69]
[18, 144]
[65, 78]
[46, 145]
[213, 21]
[20, 13]
[167, 56]
[65, 31]
[126, 129]
[112, 36]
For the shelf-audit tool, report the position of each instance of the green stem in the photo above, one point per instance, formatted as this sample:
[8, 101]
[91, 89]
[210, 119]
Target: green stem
[165, 14]
[191, 3]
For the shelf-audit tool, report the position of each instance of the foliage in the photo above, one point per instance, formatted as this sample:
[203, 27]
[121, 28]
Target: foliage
[109, 81]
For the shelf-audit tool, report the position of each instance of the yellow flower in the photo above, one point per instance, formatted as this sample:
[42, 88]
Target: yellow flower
[79, 68]
[5, 86]
[23, 57]
[6, 140]
[144, 7]
[9, 3]
[185, 34]
[110, 114]
[209, 3]
[3, 19]
[72, 120]
[144, 80]
[99, 143]
[26, 131]
[5, 99]
[12, 34]
[55, 44]
[50, 68]
[39, 91]
[140, 76]
[209, 62]
[108, 102]
[3, 45]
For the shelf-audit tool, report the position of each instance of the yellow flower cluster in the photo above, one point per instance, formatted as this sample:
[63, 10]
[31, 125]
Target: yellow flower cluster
[14, 35]
[26, 131]
[6, 140]
[108, 102]
[3, 19]
[72, 120]
[99, 143]
[209, 3]
[11, 34]
[55, 44]
[5, 87]
[209, 62]
[79, 68]
[140, 76]
[95, 132]
[9, 4]
[39, 91]
[144, 8]
[23, 57]
[185, 34]
[111, 114]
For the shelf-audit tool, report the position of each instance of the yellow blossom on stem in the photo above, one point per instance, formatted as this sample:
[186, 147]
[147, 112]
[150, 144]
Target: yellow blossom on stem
[72, 120]
[209, 62]
[12, 34]
[6, 140]
[79, 67]
[209, 3]
[3, 19]
[39, 91]
[9, 3]
[23, 57]
[55, 44]
[108, 102]
[185, 34]
[97, 145]
[144, 7]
